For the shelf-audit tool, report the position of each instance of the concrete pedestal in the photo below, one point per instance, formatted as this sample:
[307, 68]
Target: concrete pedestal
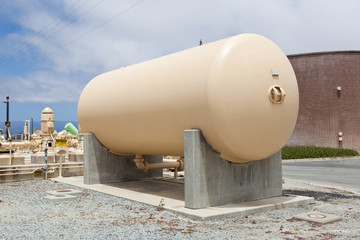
[76, 157]
[16, 159]
[102, 166]
[213, 181]
[5, 159]
[58, 157]
[40, 158]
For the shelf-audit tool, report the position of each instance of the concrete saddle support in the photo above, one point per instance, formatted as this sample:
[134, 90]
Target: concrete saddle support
[209, 179]
[212, 181]
[102, 166]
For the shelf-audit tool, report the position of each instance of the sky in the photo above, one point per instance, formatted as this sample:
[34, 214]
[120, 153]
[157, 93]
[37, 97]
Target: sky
[50, 49]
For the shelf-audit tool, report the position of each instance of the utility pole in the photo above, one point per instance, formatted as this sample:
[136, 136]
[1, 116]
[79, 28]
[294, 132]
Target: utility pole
[7, 123]
[31, 126]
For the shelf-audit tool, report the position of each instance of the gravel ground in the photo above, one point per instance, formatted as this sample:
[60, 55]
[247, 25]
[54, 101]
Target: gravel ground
[26, 214]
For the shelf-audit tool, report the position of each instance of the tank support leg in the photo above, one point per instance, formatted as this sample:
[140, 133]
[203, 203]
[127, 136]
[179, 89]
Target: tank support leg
[102, 166]
[213, 181]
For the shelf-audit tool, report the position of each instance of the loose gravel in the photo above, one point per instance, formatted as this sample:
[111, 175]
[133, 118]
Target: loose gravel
[26, 214]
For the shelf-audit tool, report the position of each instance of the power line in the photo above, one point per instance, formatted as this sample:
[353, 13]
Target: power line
[63, 19]
[59, 19]
[68, 23]
[94, 28]
[91, 30]
[27, 42]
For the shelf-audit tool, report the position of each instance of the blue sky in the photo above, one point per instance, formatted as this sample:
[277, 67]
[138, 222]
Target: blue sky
[50, 49]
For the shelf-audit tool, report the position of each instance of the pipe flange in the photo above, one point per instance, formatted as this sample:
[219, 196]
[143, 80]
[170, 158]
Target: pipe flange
[181, 164]
[277, 94]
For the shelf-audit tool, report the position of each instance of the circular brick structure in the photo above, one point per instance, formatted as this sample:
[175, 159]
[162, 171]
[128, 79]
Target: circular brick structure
[329, 90]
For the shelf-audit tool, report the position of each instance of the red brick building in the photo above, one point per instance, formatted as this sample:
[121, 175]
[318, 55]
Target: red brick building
[329, 88]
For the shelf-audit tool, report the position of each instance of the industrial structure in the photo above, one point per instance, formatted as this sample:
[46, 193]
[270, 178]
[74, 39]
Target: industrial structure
[46, 149]
[329, 110]
[241, 92]
[226, 108]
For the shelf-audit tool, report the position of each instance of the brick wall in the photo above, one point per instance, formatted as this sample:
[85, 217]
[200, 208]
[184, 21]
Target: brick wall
[324, 111]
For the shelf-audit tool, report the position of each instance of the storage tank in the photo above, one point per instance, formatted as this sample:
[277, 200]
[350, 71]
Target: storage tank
[241, 92]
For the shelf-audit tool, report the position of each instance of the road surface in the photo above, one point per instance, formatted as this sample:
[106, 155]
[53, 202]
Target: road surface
[345, 173]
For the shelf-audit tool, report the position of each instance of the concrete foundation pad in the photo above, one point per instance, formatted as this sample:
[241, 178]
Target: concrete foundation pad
[172, 194]
[318, 217]
[60, 198]
[65, 191]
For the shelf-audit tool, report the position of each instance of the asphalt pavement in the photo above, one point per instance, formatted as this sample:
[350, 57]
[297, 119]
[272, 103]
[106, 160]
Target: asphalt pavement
[344, 172]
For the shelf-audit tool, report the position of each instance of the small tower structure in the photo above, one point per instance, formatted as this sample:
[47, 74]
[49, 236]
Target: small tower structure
[47, 123]
[46, 137]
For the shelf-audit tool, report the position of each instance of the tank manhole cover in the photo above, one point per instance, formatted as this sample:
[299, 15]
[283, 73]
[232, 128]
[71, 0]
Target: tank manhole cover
[318, 217]
[59, 195]
[66, 191]
[60, 198]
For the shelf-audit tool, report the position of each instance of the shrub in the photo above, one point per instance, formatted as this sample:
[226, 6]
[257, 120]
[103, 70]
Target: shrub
[299, 152]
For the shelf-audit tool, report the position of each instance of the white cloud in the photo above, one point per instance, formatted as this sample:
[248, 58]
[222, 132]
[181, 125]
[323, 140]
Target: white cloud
[152, 29]
[42, 87]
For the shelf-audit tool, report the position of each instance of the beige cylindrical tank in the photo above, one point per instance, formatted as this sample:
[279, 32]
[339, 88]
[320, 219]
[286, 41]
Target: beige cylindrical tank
[241, 92]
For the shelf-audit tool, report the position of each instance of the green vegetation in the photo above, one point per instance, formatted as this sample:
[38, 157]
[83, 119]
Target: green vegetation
[297, 152]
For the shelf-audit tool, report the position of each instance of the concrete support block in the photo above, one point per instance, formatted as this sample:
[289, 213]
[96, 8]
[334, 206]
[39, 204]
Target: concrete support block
[213, 181]
[17, 159]
[58, 157]
[76, 157]
[102, 166]
[5, 159]
[40, 158]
